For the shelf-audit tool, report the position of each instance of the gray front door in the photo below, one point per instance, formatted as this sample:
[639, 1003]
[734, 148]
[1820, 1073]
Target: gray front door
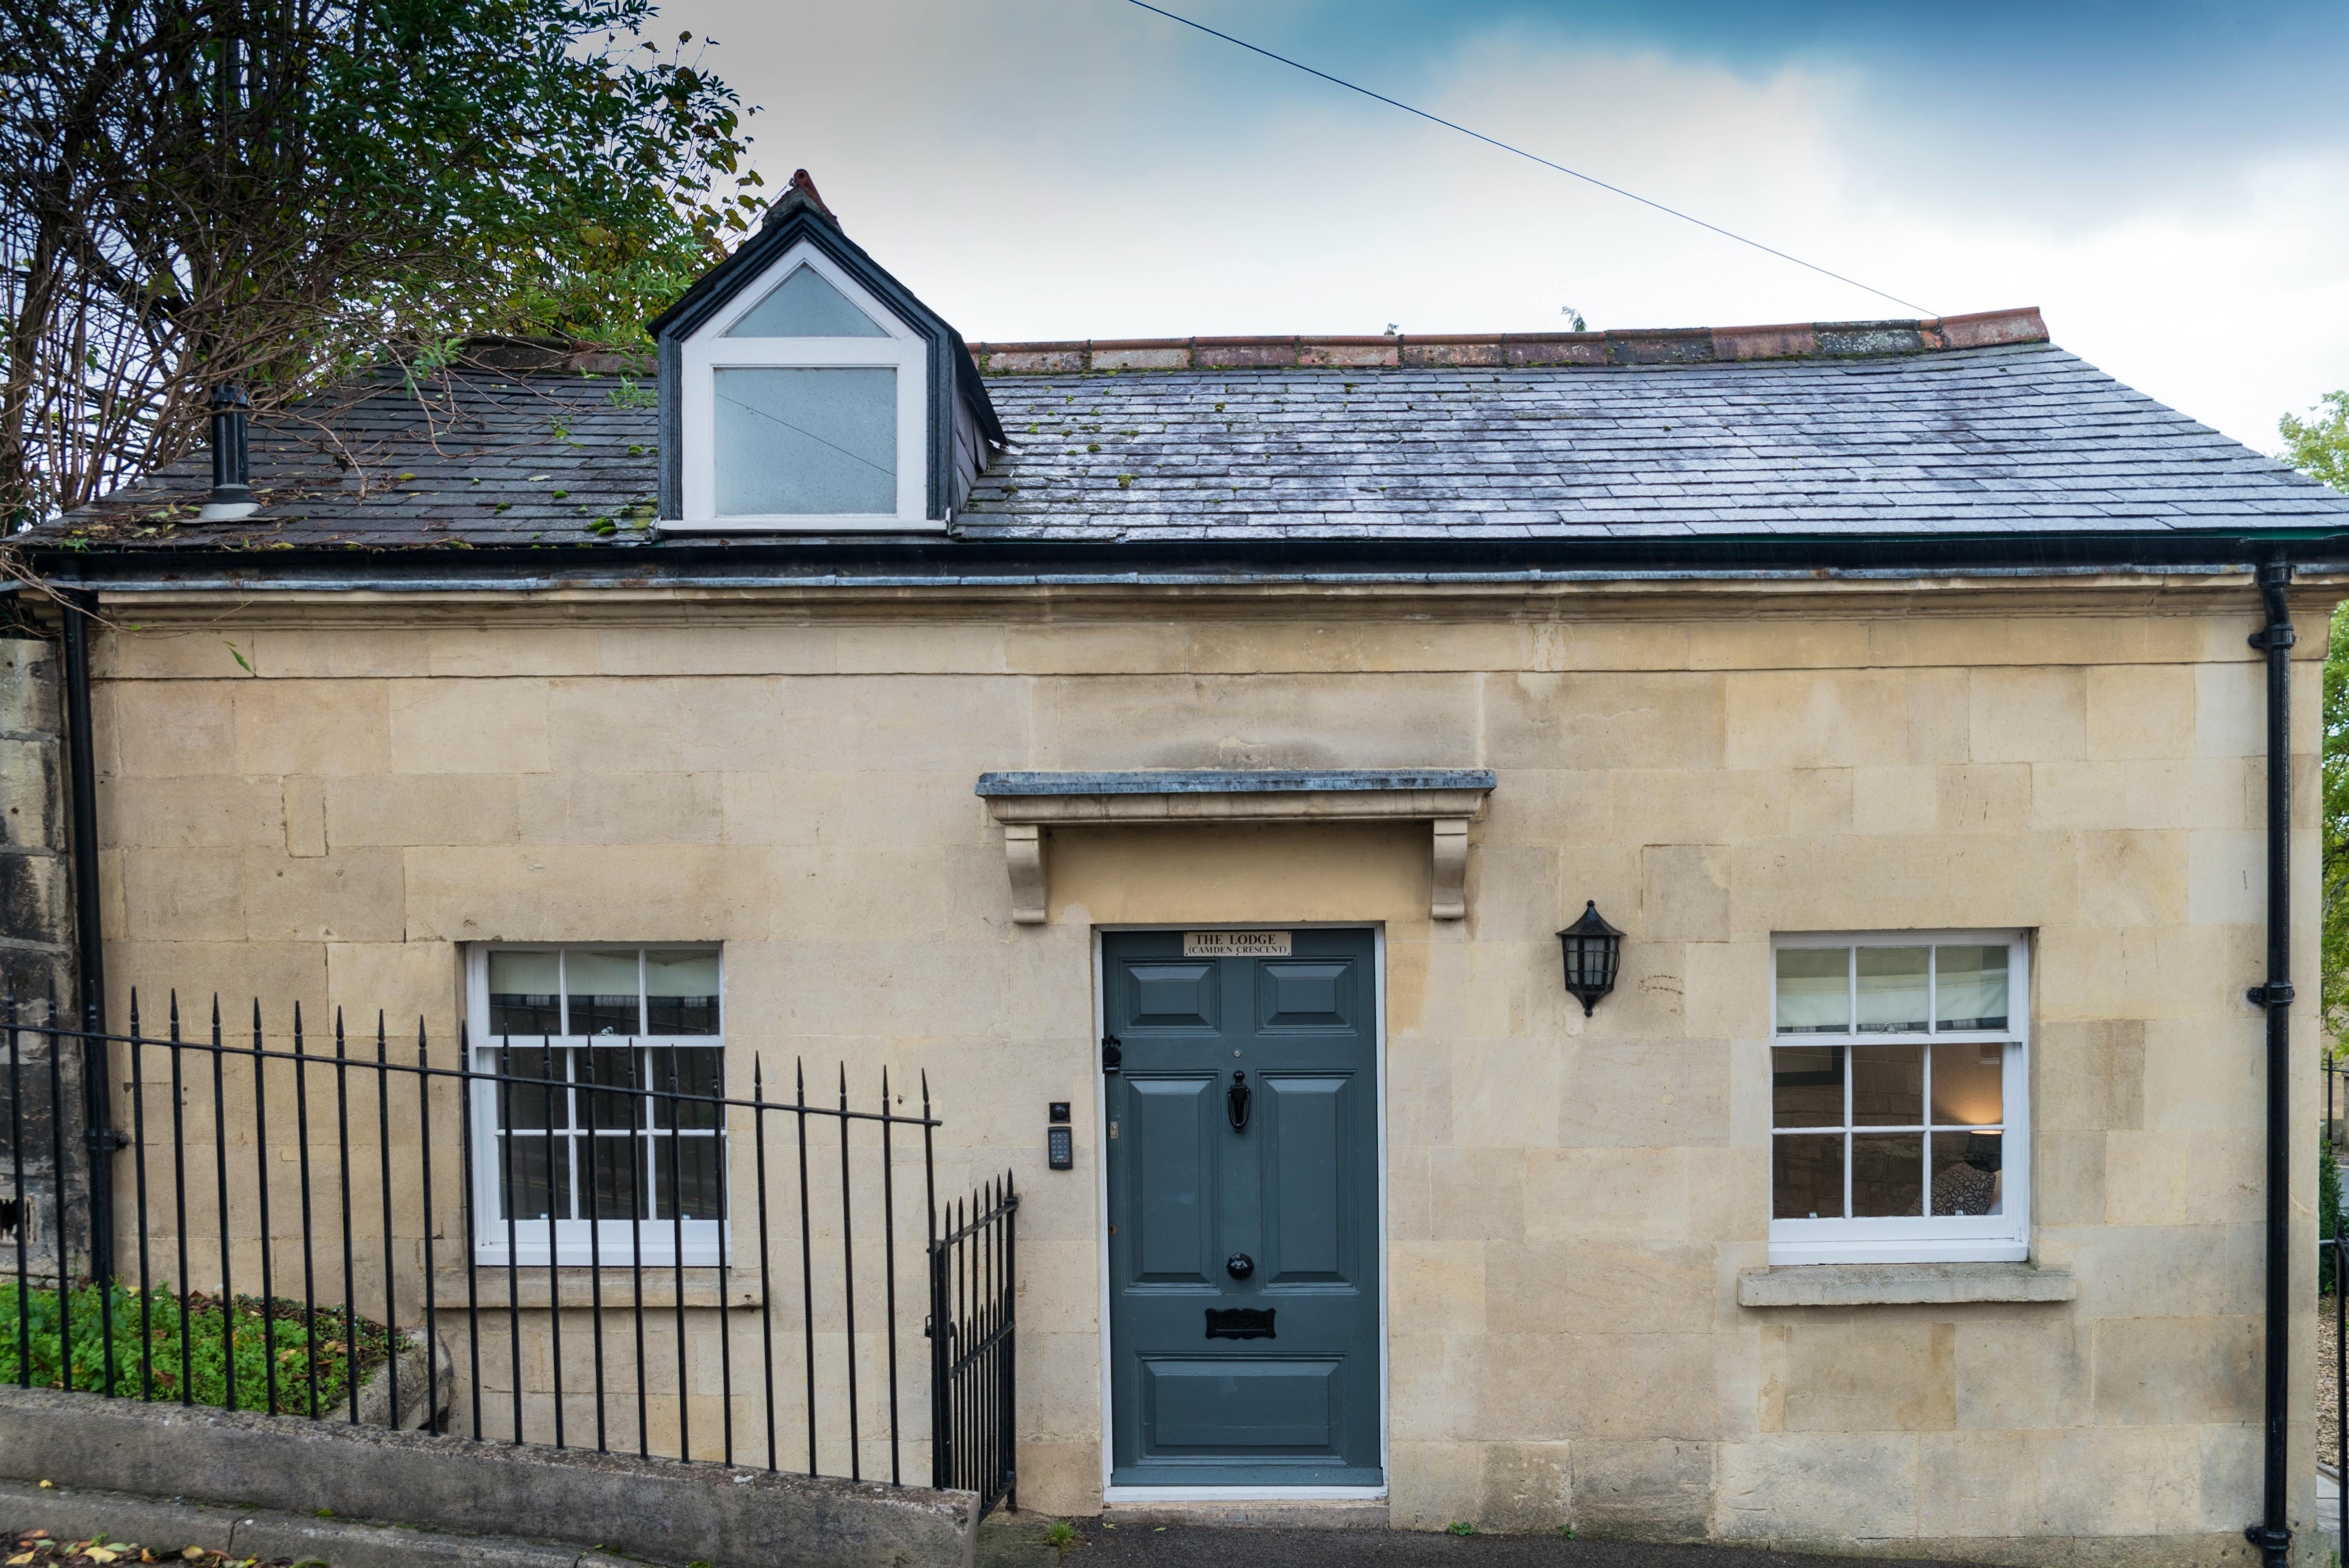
[1244, 1211]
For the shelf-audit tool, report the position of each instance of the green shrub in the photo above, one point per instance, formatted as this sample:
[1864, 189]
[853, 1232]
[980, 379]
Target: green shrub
[2328, 1212]
[248, 1336]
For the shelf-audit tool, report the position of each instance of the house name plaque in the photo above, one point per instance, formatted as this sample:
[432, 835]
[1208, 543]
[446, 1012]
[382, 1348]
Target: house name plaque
[1236, 945]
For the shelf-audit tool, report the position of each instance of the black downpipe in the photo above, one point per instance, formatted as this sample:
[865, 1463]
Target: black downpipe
[2272, 1535]
[89, 946]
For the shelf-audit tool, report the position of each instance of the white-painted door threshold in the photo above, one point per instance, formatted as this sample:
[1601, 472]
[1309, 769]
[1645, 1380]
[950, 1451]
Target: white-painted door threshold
[1244, 1494]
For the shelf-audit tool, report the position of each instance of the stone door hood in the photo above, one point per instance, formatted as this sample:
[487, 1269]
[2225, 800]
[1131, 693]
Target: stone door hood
[1446, 798]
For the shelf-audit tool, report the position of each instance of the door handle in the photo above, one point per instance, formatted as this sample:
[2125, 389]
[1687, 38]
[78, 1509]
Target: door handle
[1240, 1265]
[1113, 1054]
[1236, 1101]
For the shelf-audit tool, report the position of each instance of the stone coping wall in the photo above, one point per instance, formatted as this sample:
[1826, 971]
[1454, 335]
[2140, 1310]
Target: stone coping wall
[653, 1509]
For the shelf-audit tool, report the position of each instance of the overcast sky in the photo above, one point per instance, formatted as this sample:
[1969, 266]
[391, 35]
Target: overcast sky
[2170, 182]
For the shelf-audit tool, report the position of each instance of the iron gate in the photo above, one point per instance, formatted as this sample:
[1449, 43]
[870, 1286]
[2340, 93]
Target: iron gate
[971, 1348]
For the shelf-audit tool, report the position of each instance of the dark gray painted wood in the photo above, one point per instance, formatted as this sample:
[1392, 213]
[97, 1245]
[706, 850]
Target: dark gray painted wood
[1296, 1190]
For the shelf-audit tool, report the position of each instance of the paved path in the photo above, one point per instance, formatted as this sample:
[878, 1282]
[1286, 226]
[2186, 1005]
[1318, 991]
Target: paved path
[2328, 1512]
[1021, 1545]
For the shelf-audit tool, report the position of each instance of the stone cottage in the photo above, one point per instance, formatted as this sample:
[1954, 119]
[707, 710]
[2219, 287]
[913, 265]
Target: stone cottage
[1219, 765]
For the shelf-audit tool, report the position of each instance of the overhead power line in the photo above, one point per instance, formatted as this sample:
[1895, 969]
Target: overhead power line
[1535, 157]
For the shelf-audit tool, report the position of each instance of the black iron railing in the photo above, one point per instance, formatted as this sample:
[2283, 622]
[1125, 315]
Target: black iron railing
[525, 1240]
[971, 1347]
[2334, 1249]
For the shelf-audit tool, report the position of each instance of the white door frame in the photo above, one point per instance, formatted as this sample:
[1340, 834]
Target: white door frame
[1112, 1493]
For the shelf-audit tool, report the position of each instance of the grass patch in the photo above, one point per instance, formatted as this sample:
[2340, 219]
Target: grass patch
[248, 1336]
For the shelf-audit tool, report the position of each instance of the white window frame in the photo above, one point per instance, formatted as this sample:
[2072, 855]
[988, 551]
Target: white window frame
[709, 350]
[1938, 1238]
[707, 1244]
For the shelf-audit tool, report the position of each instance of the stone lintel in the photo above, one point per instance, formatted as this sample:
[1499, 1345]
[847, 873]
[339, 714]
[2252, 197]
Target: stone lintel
[1899, 1284]
[1024, 804]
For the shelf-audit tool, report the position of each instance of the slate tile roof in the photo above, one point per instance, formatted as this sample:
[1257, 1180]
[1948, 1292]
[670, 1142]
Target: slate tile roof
[1445, 439]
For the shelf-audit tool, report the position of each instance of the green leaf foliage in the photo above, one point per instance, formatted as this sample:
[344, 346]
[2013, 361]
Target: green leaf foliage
[248, 1334]
[2318, 446]
[286, 195]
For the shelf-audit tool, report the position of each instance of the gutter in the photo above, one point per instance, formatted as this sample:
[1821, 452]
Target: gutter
[951, 562]
[2272, 1535]
[99, 1136]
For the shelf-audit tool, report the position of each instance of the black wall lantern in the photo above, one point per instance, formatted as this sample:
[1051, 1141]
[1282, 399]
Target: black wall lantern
[1592, 949]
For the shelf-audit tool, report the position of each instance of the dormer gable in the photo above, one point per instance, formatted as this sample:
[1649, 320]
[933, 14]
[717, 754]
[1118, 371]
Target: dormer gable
[804, 389]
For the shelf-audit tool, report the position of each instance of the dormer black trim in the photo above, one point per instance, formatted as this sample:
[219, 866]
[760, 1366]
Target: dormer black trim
[795, 219]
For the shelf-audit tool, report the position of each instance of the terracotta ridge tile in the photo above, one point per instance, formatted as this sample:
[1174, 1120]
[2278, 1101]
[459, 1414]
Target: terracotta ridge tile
[1620, 346]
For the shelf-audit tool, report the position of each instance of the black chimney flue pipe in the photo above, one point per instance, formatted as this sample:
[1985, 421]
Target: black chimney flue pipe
[231, 478]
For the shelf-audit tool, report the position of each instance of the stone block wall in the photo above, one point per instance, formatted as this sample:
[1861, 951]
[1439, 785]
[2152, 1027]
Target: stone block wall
[37, 962]
[1569, 1199]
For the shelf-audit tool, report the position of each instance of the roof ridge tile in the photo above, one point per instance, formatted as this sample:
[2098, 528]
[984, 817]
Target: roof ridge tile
[1639, 346]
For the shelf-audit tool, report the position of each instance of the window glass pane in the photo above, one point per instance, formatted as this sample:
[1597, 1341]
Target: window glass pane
[623, 1188]
[696, 1170]
[532, 1106]
[1966, 1179]
[618, 1069]
[523, 987]
[523, 1180]
[1888, 1174]
[1806, 1177]
[806, 305]
[602, 990]
[1969, 987]
[1968, 1079]
[1806, 1086]
[692, 1071]
[681, 992]
[813, 442]
[1888, 1085]
[1891, 990]
[1813, 990]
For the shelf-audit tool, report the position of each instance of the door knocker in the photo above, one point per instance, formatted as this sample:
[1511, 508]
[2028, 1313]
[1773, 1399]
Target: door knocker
[1236, 1101]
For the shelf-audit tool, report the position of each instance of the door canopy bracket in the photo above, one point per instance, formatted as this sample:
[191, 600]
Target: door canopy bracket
[1446, 798]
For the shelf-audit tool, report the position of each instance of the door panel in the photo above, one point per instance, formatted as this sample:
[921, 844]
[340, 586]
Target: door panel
[1307, 1224]
[1171, 996]
[1238, 1406]
[1244, 1278]
[1302, 994]
[1175, 1203]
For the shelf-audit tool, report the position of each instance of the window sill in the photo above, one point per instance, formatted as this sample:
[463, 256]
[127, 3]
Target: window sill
[1901, 1285]
[532, 1288]
[803, 522]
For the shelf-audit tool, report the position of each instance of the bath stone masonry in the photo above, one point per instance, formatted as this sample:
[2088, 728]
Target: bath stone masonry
[1917, 648]
[36, 947]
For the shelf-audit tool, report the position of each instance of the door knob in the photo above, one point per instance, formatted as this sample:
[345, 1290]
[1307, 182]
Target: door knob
[1240, 1265]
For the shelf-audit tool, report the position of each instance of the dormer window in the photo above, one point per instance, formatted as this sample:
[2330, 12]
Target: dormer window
[805, 401]
[804, 390]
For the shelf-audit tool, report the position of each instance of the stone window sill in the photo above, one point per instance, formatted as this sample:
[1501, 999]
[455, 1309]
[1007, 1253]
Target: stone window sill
[1901, 1285]
[532, 1288]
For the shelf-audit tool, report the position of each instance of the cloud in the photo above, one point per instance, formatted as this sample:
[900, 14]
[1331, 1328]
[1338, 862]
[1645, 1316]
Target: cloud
[1075, 169]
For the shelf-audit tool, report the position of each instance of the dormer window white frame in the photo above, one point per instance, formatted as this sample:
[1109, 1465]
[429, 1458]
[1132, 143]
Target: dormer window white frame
[710, 353]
